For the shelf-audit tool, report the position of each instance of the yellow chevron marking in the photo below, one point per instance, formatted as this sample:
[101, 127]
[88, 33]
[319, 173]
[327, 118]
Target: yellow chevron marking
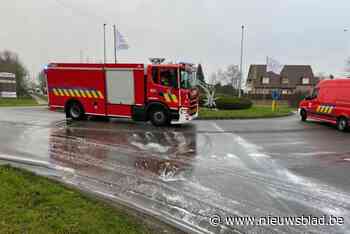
[82, 93]
[94, 94]
[85, 93]
[88, 93]
[66, 92]
[55, 92]
[325, 109]
[71, 92]
[76, 92]
[174, 98]
[100, 94]
[61, 92]
[166, 96]
[322, 109]
[318, 109]
[330, 110]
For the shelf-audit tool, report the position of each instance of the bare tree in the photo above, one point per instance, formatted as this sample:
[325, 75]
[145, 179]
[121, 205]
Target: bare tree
[213, 80]
[42, 81]
[232, 75]
[347, 67]
[322, 76]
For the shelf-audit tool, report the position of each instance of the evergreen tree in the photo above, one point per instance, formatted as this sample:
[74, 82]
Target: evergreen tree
[200, 74]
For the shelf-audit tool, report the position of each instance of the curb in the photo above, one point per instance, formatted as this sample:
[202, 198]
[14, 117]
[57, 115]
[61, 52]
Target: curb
[246, 118]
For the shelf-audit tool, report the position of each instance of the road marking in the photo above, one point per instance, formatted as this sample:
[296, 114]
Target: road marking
[313, 153]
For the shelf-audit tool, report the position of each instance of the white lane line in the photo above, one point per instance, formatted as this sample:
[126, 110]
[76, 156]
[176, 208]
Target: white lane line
[313, 153]
[286, 143]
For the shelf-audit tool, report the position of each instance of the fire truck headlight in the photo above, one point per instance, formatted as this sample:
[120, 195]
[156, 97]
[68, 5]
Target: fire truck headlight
[183, 111]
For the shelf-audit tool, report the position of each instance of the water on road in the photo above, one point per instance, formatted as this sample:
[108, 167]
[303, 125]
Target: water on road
[188, 174]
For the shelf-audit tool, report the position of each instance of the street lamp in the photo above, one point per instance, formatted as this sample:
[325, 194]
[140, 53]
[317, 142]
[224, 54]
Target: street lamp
[104, 44]
[241, 65]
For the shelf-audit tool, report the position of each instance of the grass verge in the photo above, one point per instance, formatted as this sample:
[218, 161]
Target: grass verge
[27, 101]
[252, 113]
[33, 204]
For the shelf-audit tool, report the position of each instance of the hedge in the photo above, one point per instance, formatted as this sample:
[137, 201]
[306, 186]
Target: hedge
[232, 103]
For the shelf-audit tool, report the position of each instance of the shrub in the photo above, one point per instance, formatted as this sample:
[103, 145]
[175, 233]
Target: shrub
[232, 103]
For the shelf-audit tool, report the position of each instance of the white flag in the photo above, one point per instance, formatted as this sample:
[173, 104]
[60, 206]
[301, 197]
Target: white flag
[122, 44]
[274, 66]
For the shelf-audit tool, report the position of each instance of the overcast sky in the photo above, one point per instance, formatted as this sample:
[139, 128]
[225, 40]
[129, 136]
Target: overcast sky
[200, 31]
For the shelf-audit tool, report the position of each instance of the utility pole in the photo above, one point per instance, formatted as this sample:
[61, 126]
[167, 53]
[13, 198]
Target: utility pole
[115, 43]
[241, 65]
[104, 44]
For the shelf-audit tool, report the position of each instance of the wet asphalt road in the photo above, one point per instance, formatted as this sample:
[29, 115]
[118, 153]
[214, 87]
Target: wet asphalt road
[277, 167]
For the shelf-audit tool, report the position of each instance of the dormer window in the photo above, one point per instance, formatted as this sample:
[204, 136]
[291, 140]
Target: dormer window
[265, 80]
[305, 80]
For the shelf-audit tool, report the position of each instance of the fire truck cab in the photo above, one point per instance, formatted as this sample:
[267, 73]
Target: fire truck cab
[329, 102]
[160, 93]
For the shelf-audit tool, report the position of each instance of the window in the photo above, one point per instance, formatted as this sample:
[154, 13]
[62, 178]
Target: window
[186, 79]
[265, 80]
[305, 80]
[168, 77]
[165, 76]
[315, 93]
[285, 91]
[285, 80]
[155, 75]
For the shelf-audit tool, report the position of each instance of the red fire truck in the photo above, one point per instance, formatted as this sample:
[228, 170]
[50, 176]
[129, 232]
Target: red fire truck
[160, 93]
[329, 102]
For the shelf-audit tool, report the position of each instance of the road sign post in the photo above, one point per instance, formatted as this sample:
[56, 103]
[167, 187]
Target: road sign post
[275, 96]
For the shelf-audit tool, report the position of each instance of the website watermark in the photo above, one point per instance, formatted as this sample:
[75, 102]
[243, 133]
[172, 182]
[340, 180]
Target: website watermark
[304, 220]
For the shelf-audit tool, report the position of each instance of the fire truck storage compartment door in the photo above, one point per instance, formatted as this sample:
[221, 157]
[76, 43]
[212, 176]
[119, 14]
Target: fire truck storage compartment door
[120, 87]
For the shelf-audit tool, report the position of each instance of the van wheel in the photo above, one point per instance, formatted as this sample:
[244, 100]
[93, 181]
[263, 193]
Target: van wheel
[159, 117]
[342, 124]
[303, 115]
[76, 111]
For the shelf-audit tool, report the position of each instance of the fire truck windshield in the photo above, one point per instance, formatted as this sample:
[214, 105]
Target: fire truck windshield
[187, 79]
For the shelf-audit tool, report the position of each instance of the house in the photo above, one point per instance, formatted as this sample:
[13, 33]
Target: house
[7, 85]
[293, 78]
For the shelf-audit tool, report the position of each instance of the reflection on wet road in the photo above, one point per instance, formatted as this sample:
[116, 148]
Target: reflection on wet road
[188, 173]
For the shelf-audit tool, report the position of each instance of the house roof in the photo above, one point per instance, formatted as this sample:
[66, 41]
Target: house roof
[294, 73]
[297, 71]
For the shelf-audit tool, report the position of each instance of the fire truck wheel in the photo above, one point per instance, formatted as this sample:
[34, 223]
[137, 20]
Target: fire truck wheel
[303, 115]
[76, 111]
[159, 117]
[342, 124]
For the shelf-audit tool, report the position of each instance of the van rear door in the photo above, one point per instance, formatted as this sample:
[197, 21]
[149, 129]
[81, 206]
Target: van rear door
[343, 100]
